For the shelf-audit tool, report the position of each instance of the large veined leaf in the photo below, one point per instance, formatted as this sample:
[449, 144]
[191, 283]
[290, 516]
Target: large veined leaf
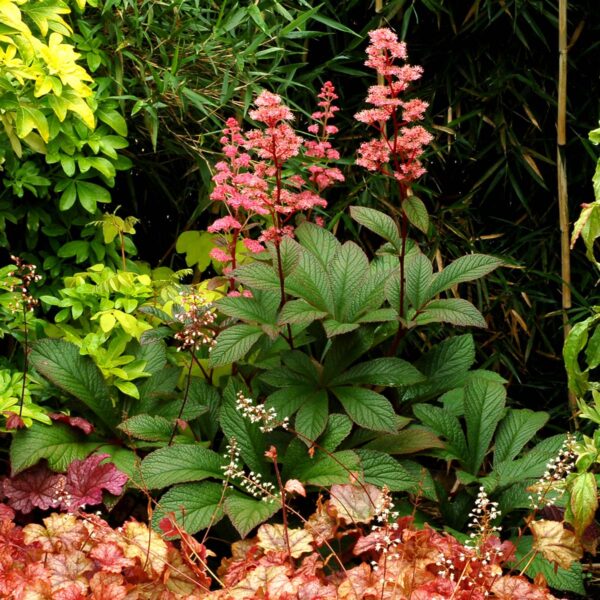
[312, 416]
[151, 428]
[484, 407]
[390, 372]
[261, 308]
[515, 430]
[381, 469]
[451, 310]
[370, 296]
[348, 272]
[195, 506]
[59, 444]
[530, 466]
[310, 281]
[445, 366]
[574, 344]
[258, 276]
[333, 327]
[322, 243]
[465, 268]
[444, 425]
[419, 275]
[247, 513]
[180, 464]
[366, 408]
[234, 343]
[325, 469]
[338, 429]
[289, 255]
[299, 311]
[379, 223]
[60, 362]
[408, 441]
[583, 501]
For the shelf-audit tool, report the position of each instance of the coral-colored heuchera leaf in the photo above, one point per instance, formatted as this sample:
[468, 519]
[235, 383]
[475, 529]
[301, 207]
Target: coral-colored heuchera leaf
[37, 487]
[75, 422]
[87, 478]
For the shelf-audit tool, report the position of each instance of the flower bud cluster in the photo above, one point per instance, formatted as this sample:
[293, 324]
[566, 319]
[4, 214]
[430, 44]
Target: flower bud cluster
[386, 526]
[26, 274]
[197, 320]
[483, 516]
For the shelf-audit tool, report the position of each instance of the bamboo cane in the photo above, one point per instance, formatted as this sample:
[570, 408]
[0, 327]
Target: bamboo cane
[563, 197]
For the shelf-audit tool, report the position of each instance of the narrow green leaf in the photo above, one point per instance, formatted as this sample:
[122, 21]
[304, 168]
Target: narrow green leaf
[390, 372]
[312, 416]
[465, 268]
[299, 311]
[366, 408]
[195, 506]
[348, 272]
[451, 310]
[310, 281]
[234, 343]
[419, 275]
[379, 223]
[446, 426]
[515, 430]
[180, 464]
[484, 407]
[416, 211]
[583, 501]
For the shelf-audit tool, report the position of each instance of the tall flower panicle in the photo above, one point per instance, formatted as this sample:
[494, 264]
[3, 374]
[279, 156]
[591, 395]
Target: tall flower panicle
[197, 318]
[397, 150]
[252, 180]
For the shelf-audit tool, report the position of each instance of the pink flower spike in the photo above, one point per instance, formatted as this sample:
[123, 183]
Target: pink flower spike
[220, 255]
[224, 224]
[253, 246]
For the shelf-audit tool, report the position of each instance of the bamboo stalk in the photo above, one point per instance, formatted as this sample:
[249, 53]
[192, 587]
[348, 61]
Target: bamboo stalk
[563, 196]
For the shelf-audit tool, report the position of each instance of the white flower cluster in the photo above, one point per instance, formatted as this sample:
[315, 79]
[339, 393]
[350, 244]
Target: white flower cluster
[482, 520]
[251, 482]
[387, 518]
[258, 413]
[551, 485]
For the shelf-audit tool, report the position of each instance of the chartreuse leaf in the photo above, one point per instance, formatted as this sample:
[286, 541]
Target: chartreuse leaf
[180, 464]
[465, 268]
[583, 501]
[251, 442]
[60, 362]
[514, 431]
[381, 469]
[390, 372]
[59, 444]
[196, 245]
[366, 407]
[484, 407]
[234, 343]
[379, 223]
[247, 513]
[419, 275]
[455, 311]
[574, 344]
[416, 212]
[195, 506]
